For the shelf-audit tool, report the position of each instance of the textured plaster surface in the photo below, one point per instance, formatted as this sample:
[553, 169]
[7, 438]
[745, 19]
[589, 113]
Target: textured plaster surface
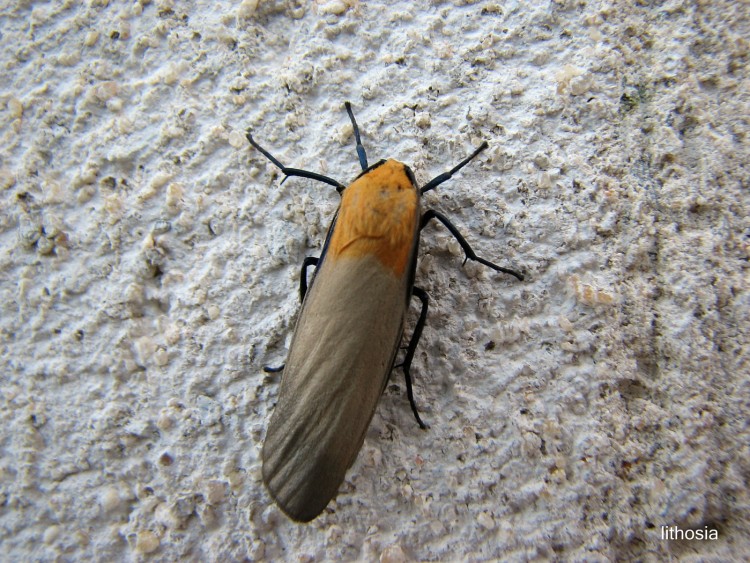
[149, 261]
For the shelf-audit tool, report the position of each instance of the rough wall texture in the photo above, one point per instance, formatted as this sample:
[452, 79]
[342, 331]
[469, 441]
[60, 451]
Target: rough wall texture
[149, 262]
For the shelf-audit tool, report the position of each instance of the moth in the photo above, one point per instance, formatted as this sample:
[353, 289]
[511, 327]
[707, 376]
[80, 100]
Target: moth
[350, 328]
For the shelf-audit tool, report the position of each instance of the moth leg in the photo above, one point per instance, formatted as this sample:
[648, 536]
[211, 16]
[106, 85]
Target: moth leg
[360, 149]
[306, 263]
[294, 171]
[470, 254]
[406, 364]
[445, 176]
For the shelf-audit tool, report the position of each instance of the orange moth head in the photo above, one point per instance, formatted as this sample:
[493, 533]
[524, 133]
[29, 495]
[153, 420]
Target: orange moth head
[379, 216]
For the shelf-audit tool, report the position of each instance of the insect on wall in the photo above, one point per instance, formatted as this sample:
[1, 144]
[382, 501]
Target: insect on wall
[350, 328]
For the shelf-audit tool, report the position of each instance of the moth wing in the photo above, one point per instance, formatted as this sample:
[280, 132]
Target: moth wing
[341, 355]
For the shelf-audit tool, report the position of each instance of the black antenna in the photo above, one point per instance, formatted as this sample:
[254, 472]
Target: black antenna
[360, 149]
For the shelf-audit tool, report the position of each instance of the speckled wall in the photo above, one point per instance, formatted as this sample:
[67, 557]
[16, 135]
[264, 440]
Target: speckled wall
[149, 263]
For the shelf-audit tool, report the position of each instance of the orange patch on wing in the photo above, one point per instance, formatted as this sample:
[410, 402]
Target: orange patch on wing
[379, 215]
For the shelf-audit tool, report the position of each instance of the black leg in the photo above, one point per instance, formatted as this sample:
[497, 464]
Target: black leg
[406, 364]
[294, 171]
[306, 263]
[437, 180]
[360, 149]
[470, 255]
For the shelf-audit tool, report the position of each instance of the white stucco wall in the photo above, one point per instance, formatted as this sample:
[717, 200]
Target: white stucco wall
[149, 261]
